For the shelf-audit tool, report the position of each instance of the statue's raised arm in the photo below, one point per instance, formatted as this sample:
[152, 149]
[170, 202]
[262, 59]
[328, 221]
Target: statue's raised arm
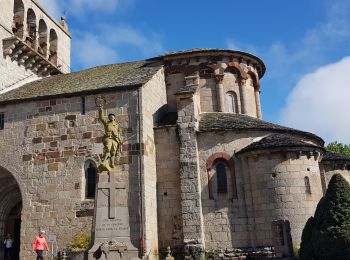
[101, 116]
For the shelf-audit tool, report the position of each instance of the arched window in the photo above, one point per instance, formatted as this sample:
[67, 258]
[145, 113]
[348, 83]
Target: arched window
[42, 48]
[53, 47]
[307, 185]
[231, 102]
[31, 28]
[90, 179]
[18, 18]
[221, 178]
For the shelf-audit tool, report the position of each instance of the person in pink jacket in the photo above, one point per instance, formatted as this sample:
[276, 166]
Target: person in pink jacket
[40, 245]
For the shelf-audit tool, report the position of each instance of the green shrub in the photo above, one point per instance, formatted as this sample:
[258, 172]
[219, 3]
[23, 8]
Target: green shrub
[331, 232]
[305, 252]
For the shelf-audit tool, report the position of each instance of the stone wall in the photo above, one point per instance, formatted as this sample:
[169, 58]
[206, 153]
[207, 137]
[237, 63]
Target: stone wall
[168, 188]
[226, 222]
[276, 188]
[153, 102]
[329, 168]
[249, 98]
[208, 95]
[173, 83]
[245, 220]
[190, 181]
[45, 146]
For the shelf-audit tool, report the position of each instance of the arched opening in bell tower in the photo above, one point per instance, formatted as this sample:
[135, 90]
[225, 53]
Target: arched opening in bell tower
[31, 28]
[53, 47]
[42, 48]
[18, 18]
[10, 212]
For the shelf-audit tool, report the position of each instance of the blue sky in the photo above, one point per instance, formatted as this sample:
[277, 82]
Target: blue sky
[305, 45]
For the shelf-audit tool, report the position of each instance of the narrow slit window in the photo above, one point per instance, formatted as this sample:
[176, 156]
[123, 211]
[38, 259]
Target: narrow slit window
[83, 106]
[221, 178]
[2, 121]
[307, 185]
[91, 173]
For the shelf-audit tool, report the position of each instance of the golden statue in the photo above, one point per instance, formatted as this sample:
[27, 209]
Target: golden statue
[112, 140]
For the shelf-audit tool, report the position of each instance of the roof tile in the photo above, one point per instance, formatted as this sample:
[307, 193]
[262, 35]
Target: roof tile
[102, 77]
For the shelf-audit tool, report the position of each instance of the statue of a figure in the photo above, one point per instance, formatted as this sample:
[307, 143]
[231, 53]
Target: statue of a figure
[111, 140]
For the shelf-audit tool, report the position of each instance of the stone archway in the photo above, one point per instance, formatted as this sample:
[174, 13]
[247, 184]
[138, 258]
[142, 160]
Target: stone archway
[10, 210]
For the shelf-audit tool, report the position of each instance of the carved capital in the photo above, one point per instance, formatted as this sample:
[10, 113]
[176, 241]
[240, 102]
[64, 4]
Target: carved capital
[219, 78]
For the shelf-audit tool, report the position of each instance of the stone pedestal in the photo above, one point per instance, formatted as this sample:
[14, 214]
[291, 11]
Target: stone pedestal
[111, 225]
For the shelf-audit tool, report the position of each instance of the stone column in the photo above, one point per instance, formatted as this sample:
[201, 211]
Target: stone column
[220, 92]
[189, 176]
[243, 95]
[257, 104]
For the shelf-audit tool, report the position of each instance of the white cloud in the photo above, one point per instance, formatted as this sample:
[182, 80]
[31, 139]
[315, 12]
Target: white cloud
[105, 44]
[88, 52]
[288, 61]
[97, 41]
[320, 102]
[77, 8]
[146, 41]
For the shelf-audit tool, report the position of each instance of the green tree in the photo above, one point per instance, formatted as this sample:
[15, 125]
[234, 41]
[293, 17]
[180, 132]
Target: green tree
[305, 252]
[331, 231]
[339, 148]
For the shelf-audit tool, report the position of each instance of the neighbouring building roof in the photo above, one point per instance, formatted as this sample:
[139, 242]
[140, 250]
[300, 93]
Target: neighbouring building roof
[278, 141]
[89, 80]
[331, 156]
[228, 121]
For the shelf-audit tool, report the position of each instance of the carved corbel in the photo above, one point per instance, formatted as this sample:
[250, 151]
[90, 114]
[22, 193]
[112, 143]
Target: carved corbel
[30, 61]
[36, 66]
[23, 59]
[18, 52]
[219, 78]
[9, 50]
[43, 69]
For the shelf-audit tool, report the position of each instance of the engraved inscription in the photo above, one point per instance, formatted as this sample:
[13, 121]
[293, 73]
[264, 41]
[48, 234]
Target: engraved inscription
[116, 227]
[113, 225]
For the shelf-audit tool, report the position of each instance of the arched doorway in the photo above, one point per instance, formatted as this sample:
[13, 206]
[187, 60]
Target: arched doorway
[10, 210]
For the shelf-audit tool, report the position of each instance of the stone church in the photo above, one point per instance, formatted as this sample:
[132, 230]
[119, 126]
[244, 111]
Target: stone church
[204, 171]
